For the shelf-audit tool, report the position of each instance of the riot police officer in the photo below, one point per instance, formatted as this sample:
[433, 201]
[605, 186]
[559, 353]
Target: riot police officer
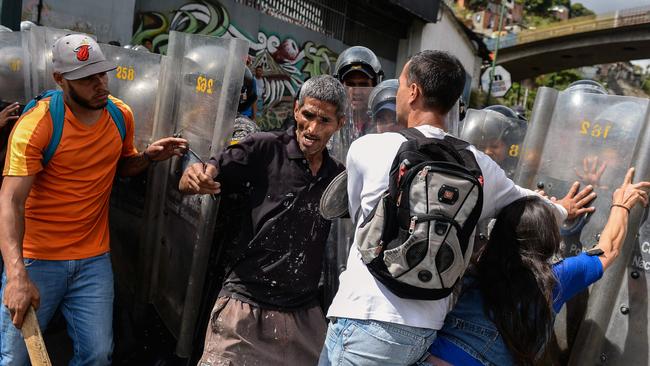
[381, 106]
[358, 66]
[497, 131]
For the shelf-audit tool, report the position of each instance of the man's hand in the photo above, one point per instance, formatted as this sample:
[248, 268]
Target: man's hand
[591, 171]
[164, 149]
[20, 293]
[575, 203]
[198, 178]
[10, 113]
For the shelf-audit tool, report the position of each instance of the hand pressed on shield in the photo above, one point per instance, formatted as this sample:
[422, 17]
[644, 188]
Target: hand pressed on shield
[164, 149]
[20, 292]
[591, 171]
[575, 202]
[10, 113]
[629, 194]
[198, 178]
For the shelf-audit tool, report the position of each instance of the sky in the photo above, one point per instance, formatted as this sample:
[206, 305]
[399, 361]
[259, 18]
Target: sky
[605, 6]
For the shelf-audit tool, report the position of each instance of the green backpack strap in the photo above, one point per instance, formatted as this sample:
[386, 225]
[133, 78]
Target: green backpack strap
[118, 118]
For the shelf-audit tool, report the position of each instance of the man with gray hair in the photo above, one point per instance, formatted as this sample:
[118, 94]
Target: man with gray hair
[267, 312]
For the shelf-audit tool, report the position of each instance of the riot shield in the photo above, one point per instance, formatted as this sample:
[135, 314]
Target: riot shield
[592, 138]
[358, 123]
[41, 40]
[498, 136]
[199, 93]
[135, 82]
[14, 68]
[615, 330]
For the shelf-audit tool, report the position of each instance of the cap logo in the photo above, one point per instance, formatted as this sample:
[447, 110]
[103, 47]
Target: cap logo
[83, 51]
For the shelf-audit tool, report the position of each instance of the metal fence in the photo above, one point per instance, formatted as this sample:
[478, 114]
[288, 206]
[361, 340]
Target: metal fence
[334, 18]
[621, 18]
[325, 16]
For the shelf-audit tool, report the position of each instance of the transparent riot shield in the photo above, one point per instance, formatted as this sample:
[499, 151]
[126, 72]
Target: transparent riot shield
[41, 40]
[14, 68]
[591, 138]
[499, 136]
[135, 82]
[358, 123]
[199, 93]
[615, 330]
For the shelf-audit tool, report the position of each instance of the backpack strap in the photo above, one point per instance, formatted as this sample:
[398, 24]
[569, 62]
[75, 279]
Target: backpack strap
[57, 111]
[470, 159]
[117, 117]
[412, 134]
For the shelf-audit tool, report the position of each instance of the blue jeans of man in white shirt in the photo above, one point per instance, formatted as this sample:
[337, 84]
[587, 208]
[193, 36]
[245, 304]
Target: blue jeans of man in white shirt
[353, 342]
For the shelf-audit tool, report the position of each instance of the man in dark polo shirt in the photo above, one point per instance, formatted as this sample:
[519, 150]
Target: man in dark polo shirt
[267, 312]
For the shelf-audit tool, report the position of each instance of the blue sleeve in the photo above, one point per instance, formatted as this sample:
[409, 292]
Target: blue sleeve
[575, 274]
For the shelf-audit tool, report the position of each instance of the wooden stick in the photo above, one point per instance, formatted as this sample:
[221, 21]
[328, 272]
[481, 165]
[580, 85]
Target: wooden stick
[34, 340]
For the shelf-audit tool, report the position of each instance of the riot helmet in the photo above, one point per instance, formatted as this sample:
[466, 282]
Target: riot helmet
[497, 131]
[381, 106]
[586, 86]
[361, 60]
[26, 25]
[140, 48]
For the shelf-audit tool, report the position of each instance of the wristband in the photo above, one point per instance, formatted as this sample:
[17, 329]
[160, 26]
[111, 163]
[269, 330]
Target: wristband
[595, 252]
[617, 205]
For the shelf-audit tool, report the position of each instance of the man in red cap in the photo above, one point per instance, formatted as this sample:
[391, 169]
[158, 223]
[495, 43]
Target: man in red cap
[54, 206]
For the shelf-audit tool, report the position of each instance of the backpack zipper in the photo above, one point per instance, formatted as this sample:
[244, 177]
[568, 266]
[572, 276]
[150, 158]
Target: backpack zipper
[421, 218]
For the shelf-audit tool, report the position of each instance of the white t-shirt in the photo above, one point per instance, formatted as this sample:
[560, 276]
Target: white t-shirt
[360, 295]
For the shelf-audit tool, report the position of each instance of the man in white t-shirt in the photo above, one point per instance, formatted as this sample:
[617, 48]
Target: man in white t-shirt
[369, 324]
[259, 84]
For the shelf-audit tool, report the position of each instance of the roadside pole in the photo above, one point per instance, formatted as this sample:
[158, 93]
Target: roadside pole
[496, 51]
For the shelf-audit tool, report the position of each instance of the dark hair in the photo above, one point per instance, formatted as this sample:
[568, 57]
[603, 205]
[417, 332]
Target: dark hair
[516, 278]
[440, 76]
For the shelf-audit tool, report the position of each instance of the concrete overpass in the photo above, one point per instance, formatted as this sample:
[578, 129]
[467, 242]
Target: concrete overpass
[620, 36]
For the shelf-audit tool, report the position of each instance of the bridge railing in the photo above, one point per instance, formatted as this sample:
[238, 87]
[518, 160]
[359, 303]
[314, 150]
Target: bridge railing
[621, 18]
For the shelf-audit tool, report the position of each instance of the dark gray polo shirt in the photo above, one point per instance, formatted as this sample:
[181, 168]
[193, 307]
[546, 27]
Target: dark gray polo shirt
[276, 261]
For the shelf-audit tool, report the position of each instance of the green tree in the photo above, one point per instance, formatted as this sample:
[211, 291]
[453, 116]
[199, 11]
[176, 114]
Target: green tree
[515, 96]
[579, 10]
[540, 7]
[558, 80]
[477, 5]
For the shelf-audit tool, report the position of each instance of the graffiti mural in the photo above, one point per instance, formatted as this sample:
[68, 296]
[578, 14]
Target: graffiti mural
[285, 63]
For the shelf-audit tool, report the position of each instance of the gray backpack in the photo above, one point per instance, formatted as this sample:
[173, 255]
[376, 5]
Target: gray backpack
[419, 238]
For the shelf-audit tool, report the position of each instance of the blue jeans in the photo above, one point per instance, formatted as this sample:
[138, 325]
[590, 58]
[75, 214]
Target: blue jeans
[368, 342]
[83, 290]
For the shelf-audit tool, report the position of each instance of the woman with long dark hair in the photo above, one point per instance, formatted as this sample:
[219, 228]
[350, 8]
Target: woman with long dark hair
[511, 294]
